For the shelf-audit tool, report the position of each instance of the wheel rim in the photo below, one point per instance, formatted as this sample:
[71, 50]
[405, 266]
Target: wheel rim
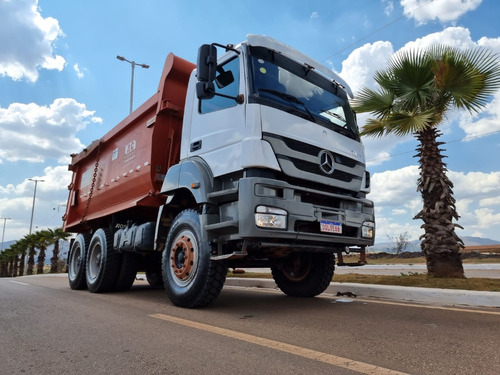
[297, 268]
[95, 262]
[184, 258]
[75, 262]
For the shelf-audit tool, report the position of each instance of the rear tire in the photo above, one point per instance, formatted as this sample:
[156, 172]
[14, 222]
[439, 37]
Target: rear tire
[191, 278]
[76, 262]
[155, 279]
[128, 271]
[304, 274]
[103, 263]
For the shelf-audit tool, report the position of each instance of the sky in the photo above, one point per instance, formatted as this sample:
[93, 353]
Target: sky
[61, 87]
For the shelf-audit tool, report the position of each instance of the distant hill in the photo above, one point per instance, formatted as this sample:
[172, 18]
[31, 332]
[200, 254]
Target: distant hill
[389, 247]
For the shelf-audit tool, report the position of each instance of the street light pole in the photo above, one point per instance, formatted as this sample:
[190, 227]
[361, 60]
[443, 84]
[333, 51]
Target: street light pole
[133, 64]
[34, 197]
[3, 233]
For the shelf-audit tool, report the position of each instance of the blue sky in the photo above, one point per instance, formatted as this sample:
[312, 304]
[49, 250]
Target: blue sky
[61, 87]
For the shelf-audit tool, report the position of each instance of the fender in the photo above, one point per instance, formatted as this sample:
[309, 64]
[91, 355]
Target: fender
[192, 174]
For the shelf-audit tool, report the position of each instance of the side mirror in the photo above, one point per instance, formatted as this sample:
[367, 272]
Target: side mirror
[206, 68]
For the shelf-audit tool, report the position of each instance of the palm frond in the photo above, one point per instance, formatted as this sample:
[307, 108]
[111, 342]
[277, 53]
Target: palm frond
[380, 103]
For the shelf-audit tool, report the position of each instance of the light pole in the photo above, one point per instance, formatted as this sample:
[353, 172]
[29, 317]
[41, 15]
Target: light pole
[3, 233]
[34, 197]
[133, 64]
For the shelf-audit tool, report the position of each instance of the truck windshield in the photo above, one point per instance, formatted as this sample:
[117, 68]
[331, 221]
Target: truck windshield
[287, 85]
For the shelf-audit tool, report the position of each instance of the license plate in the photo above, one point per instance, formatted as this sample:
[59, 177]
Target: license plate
[330, 227]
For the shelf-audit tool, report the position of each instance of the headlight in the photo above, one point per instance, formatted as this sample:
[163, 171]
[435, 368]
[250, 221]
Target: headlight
[368, 229]
[270, 217]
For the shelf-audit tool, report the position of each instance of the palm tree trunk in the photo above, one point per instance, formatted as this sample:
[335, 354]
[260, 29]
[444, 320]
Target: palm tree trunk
[440, 245]
[21, 263]
[16, 266]
[41, 261]
[31, 260]
[55, 257]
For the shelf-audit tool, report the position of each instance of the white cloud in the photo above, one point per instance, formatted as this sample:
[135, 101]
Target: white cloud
[34, 133]
[79, 73]
[443, 10]
[359, 67]
[16, 202]
[475, 185]
[395, 188]
[487, 202]
[487, 218]
[491, 43]
[27, 40]
[389, 8]
[458, 37]
[314, 15]
[483, 123]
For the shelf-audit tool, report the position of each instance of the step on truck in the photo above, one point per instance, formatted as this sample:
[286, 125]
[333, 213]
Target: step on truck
[249, 159]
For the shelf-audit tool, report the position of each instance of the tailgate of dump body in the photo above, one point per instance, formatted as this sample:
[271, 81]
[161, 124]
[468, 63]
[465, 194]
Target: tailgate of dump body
[124, 170]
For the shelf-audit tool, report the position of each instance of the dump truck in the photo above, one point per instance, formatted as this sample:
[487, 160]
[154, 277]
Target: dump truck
[248, 159]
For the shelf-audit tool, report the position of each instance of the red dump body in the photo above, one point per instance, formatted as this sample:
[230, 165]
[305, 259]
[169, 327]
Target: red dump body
[124, 170]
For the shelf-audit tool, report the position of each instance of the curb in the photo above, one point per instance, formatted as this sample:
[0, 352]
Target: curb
[441, 297]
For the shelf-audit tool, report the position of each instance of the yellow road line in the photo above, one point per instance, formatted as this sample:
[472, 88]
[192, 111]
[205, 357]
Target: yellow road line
[361, 367]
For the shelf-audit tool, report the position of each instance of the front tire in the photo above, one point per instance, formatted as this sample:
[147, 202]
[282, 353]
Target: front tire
[191, 278]
[103, 263]
[76, 262]
[304, 274]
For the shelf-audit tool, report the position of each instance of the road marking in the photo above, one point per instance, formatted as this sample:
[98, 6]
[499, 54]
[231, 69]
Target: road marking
[361, 367]
[18, 282]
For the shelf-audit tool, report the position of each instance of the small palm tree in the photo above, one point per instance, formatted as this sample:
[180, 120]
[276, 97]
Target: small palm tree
[30, 242]
[416, 91]
[42, 240]
[55, 236]
[22, 246]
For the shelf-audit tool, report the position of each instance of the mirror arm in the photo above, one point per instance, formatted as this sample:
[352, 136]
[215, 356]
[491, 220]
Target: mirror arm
[238, 99]
[228, 47]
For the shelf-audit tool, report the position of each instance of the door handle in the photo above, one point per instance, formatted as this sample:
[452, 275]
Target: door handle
[195, 146]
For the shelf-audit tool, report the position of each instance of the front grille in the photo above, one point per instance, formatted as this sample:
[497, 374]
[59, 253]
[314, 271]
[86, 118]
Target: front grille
[314, 151]
[307, 166]
[301, 161]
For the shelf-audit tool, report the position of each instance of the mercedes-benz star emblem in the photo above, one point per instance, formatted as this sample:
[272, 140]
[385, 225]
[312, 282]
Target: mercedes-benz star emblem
[326, 163]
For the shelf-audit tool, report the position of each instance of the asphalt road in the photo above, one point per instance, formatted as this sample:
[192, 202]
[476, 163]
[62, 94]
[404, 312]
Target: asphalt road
[47, 328]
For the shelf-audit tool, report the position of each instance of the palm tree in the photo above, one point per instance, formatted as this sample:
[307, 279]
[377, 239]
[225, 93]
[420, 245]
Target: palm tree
[4, 263]
[30, 243]
[416, 91]
[42, 240]
[15, 251]
[55, 236]
[22, 246]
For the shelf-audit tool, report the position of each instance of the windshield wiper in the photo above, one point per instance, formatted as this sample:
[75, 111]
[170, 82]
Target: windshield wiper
[291, 99]
[336, 115]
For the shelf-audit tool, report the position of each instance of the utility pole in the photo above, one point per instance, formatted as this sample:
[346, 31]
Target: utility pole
[34, 197]
[3, 233]
[133, 64]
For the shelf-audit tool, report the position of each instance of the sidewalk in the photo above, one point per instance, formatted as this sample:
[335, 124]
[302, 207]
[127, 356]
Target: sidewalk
[441, 297]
